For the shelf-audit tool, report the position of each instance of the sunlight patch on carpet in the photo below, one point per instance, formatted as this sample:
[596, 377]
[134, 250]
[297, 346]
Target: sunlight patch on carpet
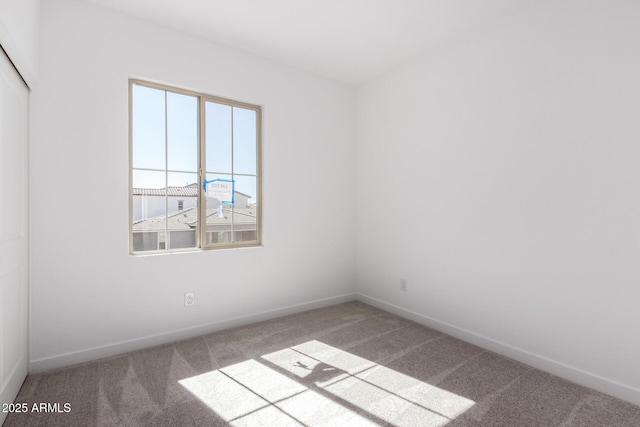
[329, 380]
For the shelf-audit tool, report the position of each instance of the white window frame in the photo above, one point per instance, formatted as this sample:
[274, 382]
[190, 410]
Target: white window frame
[201, 232]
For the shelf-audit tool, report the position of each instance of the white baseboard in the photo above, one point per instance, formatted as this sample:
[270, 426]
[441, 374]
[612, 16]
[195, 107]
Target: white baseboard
[576, 375]
[95, 353]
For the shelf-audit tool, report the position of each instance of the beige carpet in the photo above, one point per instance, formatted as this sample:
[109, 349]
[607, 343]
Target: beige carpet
[345, 365]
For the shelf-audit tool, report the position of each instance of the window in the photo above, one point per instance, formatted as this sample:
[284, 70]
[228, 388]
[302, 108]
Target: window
[194, 170]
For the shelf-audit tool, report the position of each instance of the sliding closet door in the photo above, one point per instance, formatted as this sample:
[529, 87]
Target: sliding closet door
[13, 232]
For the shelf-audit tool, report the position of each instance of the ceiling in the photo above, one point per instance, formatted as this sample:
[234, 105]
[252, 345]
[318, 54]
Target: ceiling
[348, 40]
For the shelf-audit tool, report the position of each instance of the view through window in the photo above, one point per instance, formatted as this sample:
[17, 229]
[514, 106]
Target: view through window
[195, 170]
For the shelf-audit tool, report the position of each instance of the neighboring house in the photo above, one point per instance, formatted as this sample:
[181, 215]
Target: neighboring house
[150, 202]
[177, 230]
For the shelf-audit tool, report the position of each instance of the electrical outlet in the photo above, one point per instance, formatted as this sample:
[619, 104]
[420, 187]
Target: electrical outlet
[189, 299]
[403, 285]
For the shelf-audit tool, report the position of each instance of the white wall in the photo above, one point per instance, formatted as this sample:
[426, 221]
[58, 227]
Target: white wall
[89, 297]
[19, 20]
[519, 149]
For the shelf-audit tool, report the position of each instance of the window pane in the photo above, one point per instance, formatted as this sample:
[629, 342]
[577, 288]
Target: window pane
[218, 215]
[182, 224]
[149, 218]
[149, 209]
[182, 132]
[244, 141]
[143, 241]
[218, 138]
[148, 195]
[246, 190]
[148, 128]
[245, 214]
